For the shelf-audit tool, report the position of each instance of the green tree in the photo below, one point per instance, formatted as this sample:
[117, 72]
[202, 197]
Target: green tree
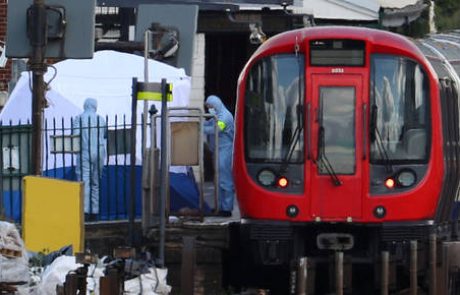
[447, 14]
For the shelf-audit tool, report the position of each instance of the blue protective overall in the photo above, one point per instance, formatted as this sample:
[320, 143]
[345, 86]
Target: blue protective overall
[226, 129]
[92, 130]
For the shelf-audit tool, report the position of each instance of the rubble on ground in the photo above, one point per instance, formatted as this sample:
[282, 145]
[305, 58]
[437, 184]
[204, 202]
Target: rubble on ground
[40, 274]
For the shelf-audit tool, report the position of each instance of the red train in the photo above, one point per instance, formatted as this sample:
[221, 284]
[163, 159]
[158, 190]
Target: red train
[347, 140]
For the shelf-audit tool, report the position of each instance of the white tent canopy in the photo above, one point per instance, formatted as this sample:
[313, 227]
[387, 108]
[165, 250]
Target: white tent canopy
[107, 77]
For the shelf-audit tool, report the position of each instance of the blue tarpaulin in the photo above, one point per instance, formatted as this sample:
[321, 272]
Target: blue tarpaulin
[115, 192]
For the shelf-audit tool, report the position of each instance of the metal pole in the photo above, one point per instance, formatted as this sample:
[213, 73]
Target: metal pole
[154, 163]
[385, 272]
[38, 42]
[188, 265]
[201, 163]
[432, 263]
[216, 166]
[445, 269]
[147, 37]
[164, 172]
[147, 189]
[302, 276]
[132, 199]
[413, 268]
[339, 273]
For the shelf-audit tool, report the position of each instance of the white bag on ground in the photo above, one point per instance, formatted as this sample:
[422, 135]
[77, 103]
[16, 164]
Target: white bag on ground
[95, 272]
[152, 283]
[55, 274]
[12, 269]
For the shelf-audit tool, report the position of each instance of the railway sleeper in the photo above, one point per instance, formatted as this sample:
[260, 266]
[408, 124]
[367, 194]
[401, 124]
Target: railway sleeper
[438, 275]
[340, 273]
[334, 263]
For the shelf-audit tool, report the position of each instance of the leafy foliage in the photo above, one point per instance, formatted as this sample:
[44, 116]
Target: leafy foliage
[447, 14]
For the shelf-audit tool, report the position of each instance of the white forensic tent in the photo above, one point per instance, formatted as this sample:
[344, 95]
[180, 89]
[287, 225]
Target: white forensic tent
[107, 77]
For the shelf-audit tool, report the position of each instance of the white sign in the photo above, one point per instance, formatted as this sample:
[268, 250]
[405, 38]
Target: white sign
[11, 158]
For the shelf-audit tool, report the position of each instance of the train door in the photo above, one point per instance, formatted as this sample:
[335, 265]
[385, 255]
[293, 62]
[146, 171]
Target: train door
[336, 133]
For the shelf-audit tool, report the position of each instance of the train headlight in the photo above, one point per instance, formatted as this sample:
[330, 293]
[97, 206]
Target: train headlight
[406, 178]
[283, 182]
[266, 177]
[390, 183]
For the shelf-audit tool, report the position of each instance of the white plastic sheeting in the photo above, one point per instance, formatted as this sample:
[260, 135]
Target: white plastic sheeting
[12, 269]
[151, 283]
[55, 274]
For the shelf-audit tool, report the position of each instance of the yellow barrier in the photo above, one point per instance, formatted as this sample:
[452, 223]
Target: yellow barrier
[52, 214]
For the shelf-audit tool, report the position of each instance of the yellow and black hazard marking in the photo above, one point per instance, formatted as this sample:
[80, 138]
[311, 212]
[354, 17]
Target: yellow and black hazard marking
[152, 91]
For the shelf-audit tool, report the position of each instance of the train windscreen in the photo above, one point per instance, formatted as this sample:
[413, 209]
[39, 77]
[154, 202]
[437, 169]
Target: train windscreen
[273, 109]
[399, 98]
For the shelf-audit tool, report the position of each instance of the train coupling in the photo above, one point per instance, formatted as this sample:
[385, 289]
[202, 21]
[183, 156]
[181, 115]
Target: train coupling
[335, 241]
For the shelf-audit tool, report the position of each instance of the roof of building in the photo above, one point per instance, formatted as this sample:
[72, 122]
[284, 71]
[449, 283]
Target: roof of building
[357, 10]
[396, 3]
[398, 16]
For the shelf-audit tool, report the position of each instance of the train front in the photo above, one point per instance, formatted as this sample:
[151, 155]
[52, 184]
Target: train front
[338, 140]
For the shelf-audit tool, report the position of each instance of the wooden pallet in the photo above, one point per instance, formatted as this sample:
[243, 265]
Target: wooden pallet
[11, 253]
[7, 288]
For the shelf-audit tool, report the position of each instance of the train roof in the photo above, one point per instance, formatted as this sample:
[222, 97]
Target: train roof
[340, 32]
[443, 52]
[380, 40]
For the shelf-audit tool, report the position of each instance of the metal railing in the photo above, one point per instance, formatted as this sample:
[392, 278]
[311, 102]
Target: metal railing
[184, 148]
[66, 142]
[63, 157]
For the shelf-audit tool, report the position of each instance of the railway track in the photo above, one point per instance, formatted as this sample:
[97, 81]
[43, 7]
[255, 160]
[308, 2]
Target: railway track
[436, 274]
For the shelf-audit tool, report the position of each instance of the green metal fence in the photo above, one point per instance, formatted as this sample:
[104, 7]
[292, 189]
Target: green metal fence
[65, 143]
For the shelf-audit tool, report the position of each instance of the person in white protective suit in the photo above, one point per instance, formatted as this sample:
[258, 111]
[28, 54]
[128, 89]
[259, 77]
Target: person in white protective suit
[225, 126]
[92, 130]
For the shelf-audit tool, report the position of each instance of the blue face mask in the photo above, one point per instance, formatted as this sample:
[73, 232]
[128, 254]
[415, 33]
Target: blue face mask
[212, 111]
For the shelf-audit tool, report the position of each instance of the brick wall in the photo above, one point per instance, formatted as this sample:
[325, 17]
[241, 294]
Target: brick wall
[5, 73]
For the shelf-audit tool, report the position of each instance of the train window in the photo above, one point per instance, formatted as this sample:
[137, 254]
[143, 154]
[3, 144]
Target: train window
[399, 98]
[274, 109]
[337, 118]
